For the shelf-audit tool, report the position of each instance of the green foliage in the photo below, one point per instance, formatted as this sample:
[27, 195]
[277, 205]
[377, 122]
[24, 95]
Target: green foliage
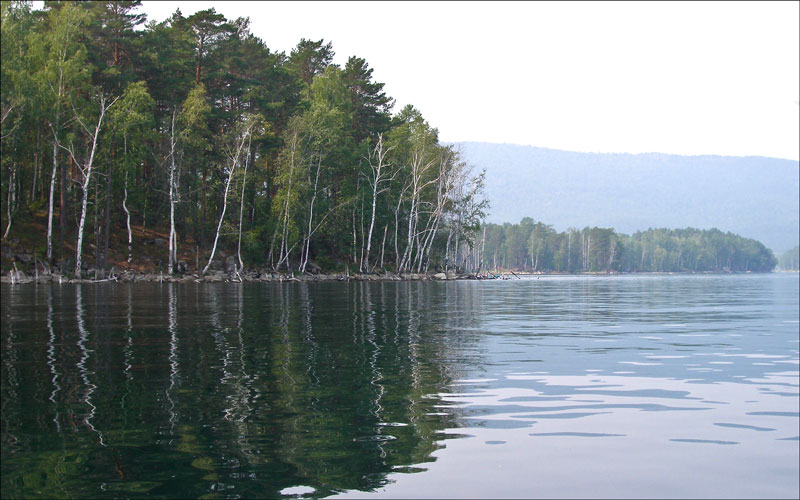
[185, 91]
[309, 59]
[193, 120]
[603, 250]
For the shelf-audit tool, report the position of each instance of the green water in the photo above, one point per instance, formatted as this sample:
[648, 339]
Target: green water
[655, 386]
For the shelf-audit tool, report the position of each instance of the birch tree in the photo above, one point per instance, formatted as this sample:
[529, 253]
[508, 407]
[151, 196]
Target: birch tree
[241, 201]
[173, 197]
[63, 68]
[285, 200]
[379, 174]
[133, 118]
[85, 168]
[234, 147]
[420, 164]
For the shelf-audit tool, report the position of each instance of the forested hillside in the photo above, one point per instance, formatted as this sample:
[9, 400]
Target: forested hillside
[537, 247]
[755, 197]
[194, 127]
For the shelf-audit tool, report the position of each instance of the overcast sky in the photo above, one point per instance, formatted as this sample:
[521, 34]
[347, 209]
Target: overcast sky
[674, 77]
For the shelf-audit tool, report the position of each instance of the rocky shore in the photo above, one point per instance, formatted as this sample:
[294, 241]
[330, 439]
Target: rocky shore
[219, 276]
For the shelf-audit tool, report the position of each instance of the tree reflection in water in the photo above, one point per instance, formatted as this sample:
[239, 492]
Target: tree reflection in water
[229, 389]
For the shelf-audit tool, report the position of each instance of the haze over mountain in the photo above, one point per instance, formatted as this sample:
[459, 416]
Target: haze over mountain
[755, 197]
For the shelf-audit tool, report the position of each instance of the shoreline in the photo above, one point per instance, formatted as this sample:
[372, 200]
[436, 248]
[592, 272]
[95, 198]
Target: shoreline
[217, 276]
[263, 276]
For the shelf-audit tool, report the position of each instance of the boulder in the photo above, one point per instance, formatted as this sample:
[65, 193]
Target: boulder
[440, 276]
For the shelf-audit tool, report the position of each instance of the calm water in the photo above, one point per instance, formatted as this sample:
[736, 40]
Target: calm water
[627, 386]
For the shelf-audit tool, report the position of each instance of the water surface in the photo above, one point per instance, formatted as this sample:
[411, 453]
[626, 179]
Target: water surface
[623, 386]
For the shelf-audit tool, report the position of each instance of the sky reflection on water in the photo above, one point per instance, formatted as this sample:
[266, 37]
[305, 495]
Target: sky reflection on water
[644, 386]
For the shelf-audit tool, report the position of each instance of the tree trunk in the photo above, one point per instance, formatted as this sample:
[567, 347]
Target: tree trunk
[35, 163]
[87, 176]
[108, 209]
[234, 162]
[284, 251]
[241, 206]
[221, 217]
[11, 197]
[65, 206]
[50, 205]
[396, 233]
[127, 217]
[307, 243]
[173, 240]
[377, 178]
[383, 242]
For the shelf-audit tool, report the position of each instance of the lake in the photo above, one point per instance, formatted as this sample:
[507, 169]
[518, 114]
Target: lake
[558, 386]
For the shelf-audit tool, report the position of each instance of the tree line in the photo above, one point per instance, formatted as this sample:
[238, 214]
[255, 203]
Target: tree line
[534, 246]
[195, 127]
[790, 259]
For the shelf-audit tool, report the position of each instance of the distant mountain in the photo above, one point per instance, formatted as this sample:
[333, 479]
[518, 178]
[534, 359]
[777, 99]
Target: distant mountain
[755, 197]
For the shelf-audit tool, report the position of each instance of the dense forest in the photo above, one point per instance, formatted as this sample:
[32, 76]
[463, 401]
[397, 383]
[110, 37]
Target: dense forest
[537, 247]
[195, 128]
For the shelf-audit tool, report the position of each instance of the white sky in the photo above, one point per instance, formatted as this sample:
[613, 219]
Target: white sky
[673, 77]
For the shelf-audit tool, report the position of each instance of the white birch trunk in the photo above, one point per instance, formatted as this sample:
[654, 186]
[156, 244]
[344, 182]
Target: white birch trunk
[307, 243]
[11, 197]
[396, 232]
[234, 162]
[378, 176]
[172, 236]
[383, 242]
[447, 249]
[365, 260]
[86, 170]
[55, 163]
[52, 195]
[241, 205]
[221, 217]
[284, 253]
[127, 218]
